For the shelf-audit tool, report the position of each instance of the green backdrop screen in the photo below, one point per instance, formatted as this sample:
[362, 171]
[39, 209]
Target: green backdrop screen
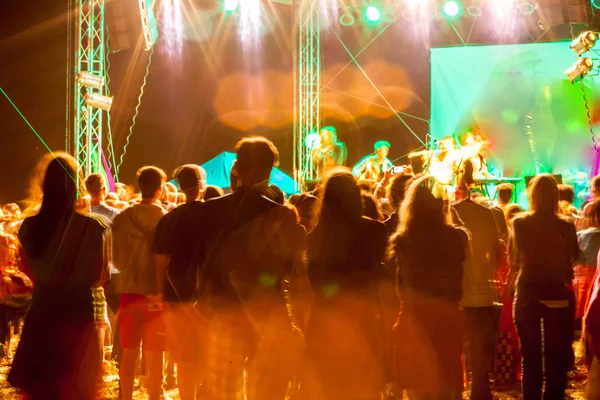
[521, 101]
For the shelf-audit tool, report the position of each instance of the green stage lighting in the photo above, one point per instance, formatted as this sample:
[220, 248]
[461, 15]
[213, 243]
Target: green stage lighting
[231, 5]
[451, 8]
[596, 4]
[373, 14]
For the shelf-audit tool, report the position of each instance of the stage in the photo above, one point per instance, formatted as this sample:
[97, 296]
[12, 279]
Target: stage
[219, 71]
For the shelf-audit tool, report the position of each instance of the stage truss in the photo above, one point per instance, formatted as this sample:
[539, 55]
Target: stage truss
[308, 87]
[91, 49]
[90, 56]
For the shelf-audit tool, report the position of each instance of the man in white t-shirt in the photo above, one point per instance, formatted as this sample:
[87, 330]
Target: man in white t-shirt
[96, 188]
[140, 310]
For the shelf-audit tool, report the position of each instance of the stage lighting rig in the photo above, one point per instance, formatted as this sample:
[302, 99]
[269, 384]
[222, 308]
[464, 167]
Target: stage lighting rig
[99, 101]
[347, 19]
[88, 79]
[584, 42]
[526, 7]
[581, 68]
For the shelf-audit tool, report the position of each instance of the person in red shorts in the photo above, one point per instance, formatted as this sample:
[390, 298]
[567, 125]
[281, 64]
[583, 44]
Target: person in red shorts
[180, 256]
[140, 309]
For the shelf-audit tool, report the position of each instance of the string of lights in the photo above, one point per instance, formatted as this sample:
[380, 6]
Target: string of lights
[135, 115]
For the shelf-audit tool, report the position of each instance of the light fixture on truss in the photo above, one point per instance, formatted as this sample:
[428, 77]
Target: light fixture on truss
[88, 79]
[526, 7]
[148, 21]
[584, 42]
[99, 101]
[581, 68]
[347, 19]
[474, 10]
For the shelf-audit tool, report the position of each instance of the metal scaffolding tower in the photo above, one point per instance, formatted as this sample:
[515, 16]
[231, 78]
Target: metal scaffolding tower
[308, 85]
[90, 56]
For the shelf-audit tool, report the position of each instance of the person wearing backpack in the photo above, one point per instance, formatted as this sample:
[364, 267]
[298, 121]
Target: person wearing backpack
[252, 247]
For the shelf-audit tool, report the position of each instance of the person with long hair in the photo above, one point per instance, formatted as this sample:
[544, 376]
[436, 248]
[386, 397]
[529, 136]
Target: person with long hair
[543, 248]
[330, 152]
[58, 355]
[345, 253]
[589, 243]
[429, 255]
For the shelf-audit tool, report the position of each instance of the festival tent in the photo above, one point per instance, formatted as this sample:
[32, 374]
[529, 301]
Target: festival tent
[218, 169]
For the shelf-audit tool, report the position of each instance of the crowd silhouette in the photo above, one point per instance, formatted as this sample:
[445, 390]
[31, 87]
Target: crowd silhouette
[350, 291]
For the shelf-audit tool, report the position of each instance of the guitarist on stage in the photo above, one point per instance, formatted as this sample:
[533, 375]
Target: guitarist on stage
[472, 150]
[376, 165]
[443, 167]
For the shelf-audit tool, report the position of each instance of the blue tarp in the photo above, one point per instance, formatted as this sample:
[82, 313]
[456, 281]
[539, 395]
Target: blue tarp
[218, 169]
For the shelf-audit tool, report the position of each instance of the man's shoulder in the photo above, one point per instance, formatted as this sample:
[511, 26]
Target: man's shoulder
[460, 233]
[121, 216]
[566, 222]
[97, 222]
[219, 202]
[195, 207]
[107, 208]
[522, 219]
[469, 206]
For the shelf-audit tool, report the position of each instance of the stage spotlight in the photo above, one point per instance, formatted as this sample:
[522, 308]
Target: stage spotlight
[98, 101]
[581, 68]
[596, 3]
[347, 19]
[313, 141]
[88, 79]
[373, 14]
[451, 8]
[231, 5]
[584, 42]
[474, 11]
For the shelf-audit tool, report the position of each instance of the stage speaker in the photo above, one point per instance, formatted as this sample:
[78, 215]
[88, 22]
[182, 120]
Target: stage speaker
[128, 21]
[560, 12]
[122, 20]
[557, 178]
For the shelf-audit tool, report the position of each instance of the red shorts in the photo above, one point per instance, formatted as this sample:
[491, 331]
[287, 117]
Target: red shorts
[140, 322]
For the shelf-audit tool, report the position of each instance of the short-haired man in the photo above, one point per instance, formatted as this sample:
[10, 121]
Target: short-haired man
[191, 179]
[375, 165]
[140, 310]
[95, 185]
[176, 238]
[250, 239]
[505, 194]
[566, 193]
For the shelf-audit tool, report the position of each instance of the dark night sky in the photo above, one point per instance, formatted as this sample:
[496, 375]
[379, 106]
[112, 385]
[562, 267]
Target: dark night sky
[188, 113]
